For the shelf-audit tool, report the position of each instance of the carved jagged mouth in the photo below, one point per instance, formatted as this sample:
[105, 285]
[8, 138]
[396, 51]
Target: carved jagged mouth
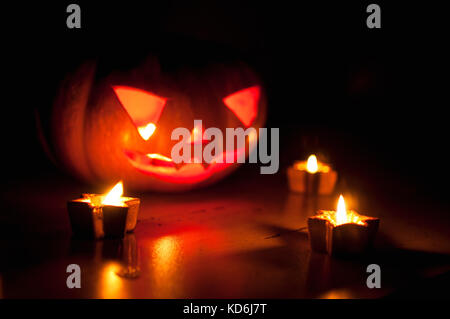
[152, 159]
[164, 168]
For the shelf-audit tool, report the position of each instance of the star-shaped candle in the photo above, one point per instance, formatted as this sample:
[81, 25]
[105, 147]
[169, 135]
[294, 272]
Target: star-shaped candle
[341, 232]
[103, 215]
[311, 177]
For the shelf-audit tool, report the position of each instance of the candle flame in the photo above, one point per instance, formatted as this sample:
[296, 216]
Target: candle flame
[147, 130]
[311, 165]
[113, 197]
[341, 213]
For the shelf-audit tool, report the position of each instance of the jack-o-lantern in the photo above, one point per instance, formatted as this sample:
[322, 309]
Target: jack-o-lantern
[110, 124]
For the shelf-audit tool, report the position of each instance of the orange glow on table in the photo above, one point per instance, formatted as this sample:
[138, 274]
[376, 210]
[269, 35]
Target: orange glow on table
[111, 285]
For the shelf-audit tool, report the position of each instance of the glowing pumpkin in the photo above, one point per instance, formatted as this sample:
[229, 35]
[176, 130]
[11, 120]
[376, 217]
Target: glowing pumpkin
[116, 124]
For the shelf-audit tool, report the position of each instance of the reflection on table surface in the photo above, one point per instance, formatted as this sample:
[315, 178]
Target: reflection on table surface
[228, 241]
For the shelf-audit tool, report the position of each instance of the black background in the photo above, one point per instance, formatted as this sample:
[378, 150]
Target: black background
[372, 100]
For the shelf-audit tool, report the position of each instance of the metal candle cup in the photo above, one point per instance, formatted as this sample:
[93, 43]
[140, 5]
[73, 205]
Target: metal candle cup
[328, 233]
[311, 177]
[98, 216]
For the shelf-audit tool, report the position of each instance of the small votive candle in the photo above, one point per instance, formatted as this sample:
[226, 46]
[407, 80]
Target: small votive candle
[107, 215]
[341, 232]
[311, 177]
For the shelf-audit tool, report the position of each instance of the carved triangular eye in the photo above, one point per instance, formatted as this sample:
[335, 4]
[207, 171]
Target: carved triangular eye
[244, 104]
[144, 108]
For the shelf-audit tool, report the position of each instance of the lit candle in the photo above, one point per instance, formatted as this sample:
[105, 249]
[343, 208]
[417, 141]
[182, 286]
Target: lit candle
[342, 231]
[103, 215]
[311, 176]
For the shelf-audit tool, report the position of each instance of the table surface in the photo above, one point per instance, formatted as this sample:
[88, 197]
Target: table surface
[242, 238]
